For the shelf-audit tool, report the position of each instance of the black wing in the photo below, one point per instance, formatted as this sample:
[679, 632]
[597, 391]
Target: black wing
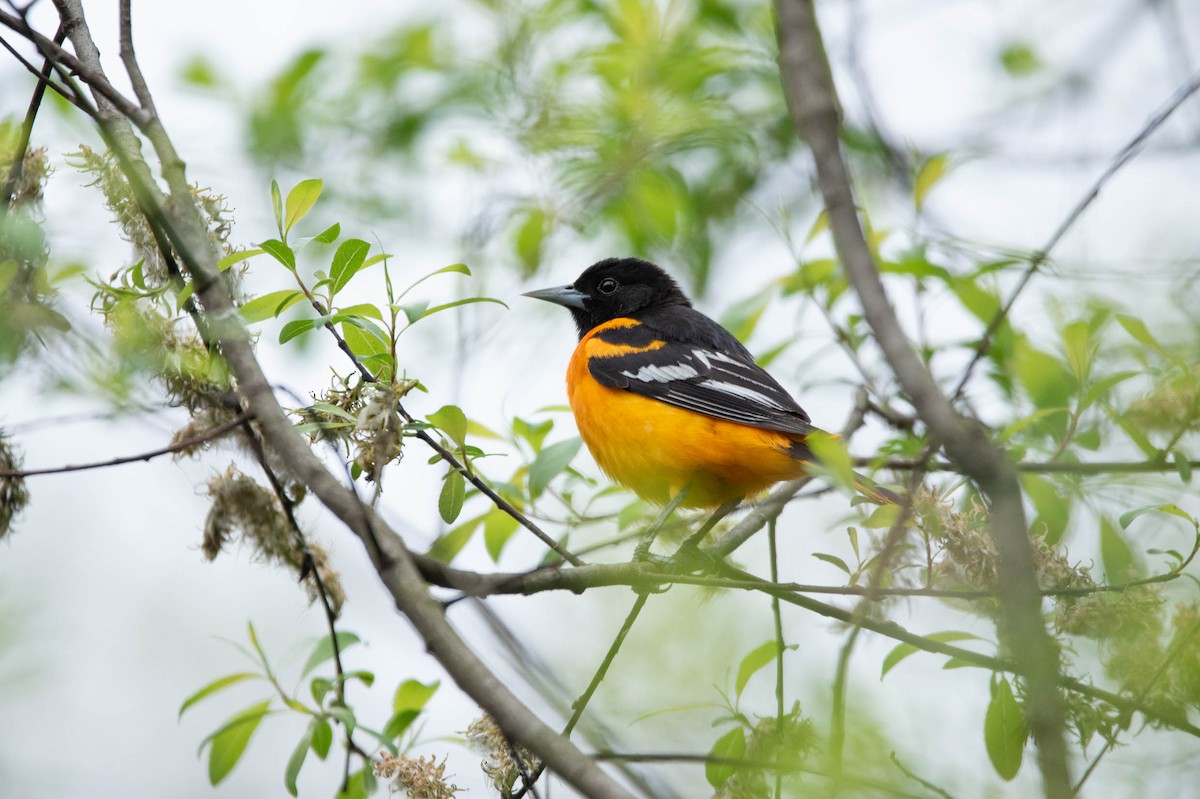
[700, 369]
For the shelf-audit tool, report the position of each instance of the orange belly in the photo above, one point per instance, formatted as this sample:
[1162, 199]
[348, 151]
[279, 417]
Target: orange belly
[656, 449]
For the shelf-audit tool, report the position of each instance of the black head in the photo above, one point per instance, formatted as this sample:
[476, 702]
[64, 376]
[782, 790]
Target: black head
[613, 288]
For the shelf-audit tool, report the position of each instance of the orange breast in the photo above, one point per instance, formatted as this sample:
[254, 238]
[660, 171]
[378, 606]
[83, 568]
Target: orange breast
[656, 449]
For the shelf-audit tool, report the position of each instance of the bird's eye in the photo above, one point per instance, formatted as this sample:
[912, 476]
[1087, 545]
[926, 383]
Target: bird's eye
[607, 286]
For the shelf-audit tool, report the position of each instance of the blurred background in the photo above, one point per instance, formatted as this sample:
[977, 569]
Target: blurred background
[527, 140]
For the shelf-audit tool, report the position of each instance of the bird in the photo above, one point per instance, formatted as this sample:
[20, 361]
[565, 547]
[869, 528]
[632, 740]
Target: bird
[669, 403]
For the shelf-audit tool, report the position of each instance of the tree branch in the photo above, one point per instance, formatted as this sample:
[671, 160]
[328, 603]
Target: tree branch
[394, 564]
[812, 99]
[178, 446]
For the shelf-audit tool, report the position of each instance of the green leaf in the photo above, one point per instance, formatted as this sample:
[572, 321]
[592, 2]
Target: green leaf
[833, 455]
[323, 651]
[322, 737]
[300, 201]
[530, 237]
[467, 301]
[1045, 379]
[535, 434]
[447, 546]
[366, 341]
[498, 527]
[363, 309]
[280, 252]
[901, 651]
[215, 686]
[1020, 60]
[1183, 465]
[346, 716]
[414, 311]
[757, 658]
[236, 258]
[361, 784]
[983, 303]
[927, 177]
[329, 235]
[832, 560]
[743, 316]
[348, 259]
[229, 742]
[1120, 564]
[319, 687]
[413, 695]
[1078, 348]
[731, 745]
[182, 297]
[398, 723]
[452, 421]
[296, 761]
[450, 502]
[277, 206]
[269, 305]
[1137, 328]
[1005, 731]
[1173, 510]
[1100, 389]
[1052, 505]
[882, 517]
[819, 225]
[295, 328]
[549, 463]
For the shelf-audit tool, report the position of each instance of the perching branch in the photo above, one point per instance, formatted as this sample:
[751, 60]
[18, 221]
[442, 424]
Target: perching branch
[812, 99]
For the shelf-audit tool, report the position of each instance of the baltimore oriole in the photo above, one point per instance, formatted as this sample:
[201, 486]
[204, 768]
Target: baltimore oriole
[667, 399]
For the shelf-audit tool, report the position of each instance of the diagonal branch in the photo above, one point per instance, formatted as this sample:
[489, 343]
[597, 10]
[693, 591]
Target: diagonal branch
[1127, 153]
[394, 563]
[812, 99]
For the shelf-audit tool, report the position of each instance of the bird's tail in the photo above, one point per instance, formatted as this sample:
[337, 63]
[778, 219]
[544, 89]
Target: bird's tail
[875, 492]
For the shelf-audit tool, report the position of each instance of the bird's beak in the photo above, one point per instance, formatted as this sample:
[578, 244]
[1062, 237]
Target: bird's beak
[567, 296]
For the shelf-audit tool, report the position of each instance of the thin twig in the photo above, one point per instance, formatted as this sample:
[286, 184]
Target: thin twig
[1180, 645]
[580, 704]
[1127, 153]
[1057, 467]
[779, 649]
[129, 59]
[179, 446]
[35, 103]
[309, 568]
[499, 501]
[93, 77]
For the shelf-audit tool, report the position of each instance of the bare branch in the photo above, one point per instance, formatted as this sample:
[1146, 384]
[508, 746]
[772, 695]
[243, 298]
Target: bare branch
[178, 446]
[129, 59]
[641, 575]
[812, 100]
[94, 77]
[1055, 467]
[35, 103]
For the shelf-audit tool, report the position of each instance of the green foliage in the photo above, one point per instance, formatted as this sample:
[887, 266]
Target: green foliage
[1005, 730]
[642, 128]
[329, 708]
